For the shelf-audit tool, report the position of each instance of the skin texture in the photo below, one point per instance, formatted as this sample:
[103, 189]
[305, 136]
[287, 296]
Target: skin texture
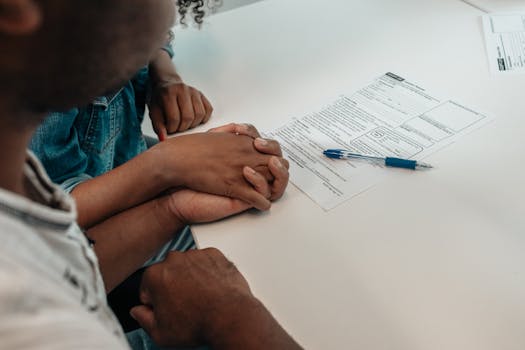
[111, 40]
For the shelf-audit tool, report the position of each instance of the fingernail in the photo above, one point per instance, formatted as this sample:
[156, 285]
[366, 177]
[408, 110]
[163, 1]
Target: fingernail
[278, 163]
[261, 141]
[251, 171]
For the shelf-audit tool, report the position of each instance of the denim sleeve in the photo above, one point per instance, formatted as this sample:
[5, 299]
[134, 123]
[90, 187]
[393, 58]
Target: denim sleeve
[169, 49]
[57, 145]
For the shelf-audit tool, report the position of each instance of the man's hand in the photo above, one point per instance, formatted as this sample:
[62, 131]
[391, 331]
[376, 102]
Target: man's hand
[174, 106]
[199, 297]
[278, 166]
[192, 207]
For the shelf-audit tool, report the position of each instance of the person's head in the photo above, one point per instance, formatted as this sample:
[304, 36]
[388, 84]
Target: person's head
[56, 54]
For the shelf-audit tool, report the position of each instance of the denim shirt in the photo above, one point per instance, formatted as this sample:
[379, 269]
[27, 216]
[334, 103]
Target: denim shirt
[86, 142]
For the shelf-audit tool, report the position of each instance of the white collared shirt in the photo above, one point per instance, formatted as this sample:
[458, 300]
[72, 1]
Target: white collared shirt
[51, 291]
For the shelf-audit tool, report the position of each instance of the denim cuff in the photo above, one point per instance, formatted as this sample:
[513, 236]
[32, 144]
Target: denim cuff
[69, 185]
[169, 49]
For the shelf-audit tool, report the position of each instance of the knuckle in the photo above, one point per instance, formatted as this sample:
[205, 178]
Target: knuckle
[172, 118]
[186, 117]
[152, 274]
[231, 266]
[166, 93]
[172, 124]
[214, 253]
[150, 271]
[251, 128]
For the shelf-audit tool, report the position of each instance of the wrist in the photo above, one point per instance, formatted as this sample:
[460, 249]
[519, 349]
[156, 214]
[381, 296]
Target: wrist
[162, 70]
[173, 207]
[227, 328]
[247, 324]
[164, 165]
[168, 216]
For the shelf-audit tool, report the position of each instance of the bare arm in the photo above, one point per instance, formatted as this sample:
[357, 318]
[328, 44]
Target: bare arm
[124, 242]
[250, 326]
[206, 162]
[117, 190]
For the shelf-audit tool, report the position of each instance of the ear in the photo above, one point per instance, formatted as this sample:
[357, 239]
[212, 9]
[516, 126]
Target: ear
[19, 17]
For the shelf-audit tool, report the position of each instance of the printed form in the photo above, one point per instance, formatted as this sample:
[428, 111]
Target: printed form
[505, 40]
[389, 117]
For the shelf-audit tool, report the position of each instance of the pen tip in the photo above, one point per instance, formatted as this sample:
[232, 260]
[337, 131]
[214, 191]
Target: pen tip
[424, 165]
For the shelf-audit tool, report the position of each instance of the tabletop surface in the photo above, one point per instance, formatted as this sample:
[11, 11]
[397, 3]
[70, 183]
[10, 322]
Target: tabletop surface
[498, 5]
[423, 260]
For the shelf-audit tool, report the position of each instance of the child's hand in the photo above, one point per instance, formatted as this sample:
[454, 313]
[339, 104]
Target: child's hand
[175, 107]
[224, 164]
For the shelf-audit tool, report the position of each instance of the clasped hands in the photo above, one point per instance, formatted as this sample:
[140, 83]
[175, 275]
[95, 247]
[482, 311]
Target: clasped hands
[222, 172]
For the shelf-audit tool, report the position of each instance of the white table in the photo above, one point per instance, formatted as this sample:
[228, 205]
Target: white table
[498, 5]
[432, 260]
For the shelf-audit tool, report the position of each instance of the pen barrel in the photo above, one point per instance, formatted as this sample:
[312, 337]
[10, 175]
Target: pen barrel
[400, 163]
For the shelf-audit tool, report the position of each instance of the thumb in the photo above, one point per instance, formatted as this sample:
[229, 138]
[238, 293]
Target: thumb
[145, 316]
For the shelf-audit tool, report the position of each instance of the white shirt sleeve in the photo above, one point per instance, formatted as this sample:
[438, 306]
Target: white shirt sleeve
[36, 314]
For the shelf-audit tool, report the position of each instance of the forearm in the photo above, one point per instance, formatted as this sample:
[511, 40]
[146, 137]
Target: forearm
[253, 328]
[126, 241]
[162, 69]
[124, 187]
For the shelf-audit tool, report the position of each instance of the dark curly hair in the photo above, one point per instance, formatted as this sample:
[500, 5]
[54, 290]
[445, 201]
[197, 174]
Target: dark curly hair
[197, 9]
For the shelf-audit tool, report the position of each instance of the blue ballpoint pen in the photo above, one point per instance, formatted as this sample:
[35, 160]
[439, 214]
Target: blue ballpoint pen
[388, 161]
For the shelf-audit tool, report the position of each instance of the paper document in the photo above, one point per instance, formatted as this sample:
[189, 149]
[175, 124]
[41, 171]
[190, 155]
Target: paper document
[505, 41]
[389, 117]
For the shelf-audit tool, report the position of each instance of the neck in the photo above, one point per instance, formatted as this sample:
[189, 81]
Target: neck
[16, 130]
